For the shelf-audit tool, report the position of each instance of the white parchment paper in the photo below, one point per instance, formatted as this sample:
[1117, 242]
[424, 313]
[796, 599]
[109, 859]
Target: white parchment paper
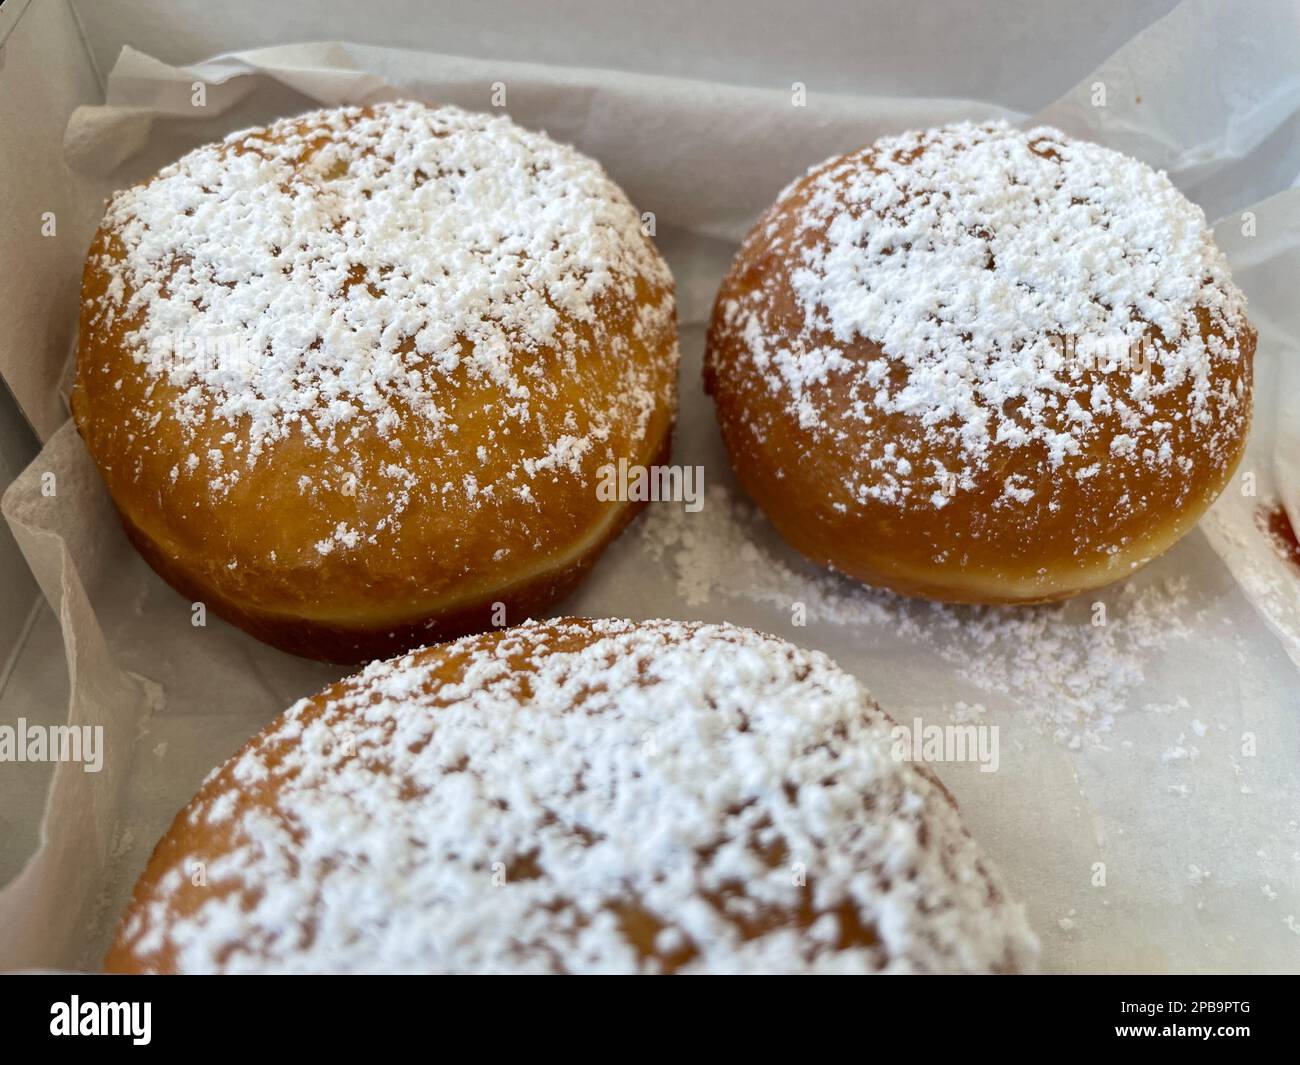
[1146, 805]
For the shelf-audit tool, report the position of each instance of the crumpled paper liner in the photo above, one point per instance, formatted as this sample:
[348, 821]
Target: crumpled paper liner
[62, 880]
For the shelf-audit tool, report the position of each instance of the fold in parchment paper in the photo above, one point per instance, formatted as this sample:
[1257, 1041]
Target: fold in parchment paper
[1146, 802]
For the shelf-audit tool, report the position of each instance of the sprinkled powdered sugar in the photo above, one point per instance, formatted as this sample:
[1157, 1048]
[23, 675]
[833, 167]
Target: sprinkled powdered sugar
[1070, 678]
[680, 778]
[330, 274]
[996, 269]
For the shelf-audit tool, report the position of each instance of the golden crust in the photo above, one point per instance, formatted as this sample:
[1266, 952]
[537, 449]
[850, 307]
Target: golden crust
[1077, 532]
[441, 745]
[264, 549]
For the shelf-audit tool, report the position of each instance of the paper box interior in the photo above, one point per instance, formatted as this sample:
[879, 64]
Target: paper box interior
[1146, 807]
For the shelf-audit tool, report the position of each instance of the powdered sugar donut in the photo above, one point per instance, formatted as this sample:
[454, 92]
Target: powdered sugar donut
[981, 364]
[576, 796]
[350, 378]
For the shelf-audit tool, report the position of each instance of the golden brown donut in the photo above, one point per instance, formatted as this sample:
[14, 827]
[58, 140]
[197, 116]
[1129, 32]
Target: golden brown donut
[350, 378]
[979, 364]
[572, 797]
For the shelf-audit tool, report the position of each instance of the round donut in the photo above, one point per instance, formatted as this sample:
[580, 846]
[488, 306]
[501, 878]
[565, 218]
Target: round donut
[981, 364]
[351, 378]
[576, 796]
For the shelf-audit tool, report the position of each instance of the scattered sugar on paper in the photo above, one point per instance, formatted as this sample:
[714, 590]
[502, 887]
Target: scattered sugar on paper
[1070, 679]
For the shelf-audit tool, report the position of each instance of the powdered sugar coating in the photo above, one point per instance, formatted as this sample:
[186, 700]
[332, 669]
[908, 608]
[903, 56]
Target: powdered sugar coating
[350, 377]
[564, 791]
[330, 275]
[996, 270]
